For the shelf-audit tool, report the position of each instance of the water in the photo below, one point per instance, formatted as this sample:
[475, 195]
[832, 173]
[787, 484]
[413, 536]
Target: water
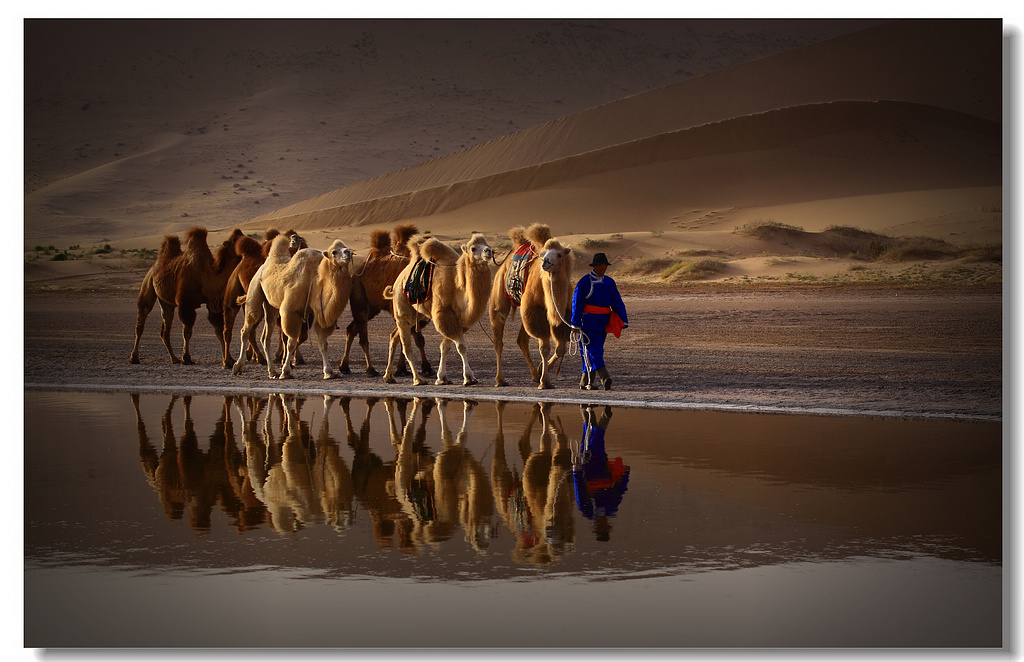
[156, 520]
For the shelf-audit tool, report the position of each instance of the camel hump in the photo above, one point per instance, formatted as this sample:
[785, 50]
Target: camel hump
[247, 247]
[402, 234]
[170, 247]
[538, 234]
[270, 233]
[280, 246]
[517, 235]
[380, 241]
[437, 251]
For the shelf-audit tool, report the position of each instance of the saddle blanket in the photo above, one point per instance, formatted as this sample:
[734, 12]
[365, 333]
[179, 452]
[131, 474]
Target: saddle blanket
[515, 279]
[417, 288]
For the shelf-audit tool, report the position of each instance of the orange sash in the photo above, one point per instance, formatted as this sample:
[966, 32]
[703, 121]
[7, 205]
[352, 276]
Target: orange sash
[615, 324]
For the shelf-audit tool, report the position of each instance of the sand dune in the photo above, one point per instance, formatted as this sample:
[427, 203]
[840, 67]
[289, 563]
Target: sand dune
[895, 129]
[925, 63]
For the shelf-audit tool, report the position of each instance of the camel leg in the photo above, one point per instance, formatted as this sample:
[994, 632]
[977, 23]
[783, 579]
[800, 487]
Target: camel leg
[468, 378]
[523, 340]
[321, 342]
[350, 336]
[217, 320]
[291, 327]
[405, 335]
[498, 318]
[146, 302]
[393, 342]
[286, 364]
[561, 347]
[188, 322]
[442, 365]
[545, 350]
[228, 327]
[271, 318]
[166, 317]
[240, 363]
[421, 344]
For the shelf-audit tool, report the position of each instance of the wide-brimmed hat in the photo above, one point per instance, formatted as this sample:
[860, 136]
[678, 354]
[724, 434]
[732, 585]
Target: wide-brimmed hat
[600, 258]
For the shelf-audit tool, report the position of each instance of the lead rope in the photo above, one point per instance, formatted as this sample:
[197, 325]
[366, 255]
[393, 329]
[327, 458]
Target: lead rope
[576, 335]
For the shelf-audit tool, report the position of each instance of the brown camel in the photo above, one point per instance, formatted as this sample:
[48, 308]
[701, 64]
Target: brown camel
[311, 283]
[385, 261]
[185, 279]
[454, 301]
[545, 304]
[253, 254]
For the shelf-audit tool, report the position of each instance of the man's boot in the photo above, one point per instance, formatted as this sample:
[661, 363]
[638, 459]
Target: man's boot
[606, 379]
[587, 380]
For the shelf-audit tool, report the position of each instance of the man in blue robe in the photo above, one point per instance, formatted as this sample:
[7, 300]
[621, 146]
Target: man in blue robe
[599, 481]
[597, 308]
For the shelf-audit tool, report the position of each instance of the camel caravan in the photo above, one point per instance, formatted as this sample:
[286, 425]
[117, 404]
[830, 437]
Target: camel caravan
[415, 278]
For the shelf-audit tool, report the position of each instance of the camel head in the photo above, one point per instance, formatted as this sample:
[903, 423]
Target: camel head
[295, 242]
[478, 249]
[340, 254]
[555, 257]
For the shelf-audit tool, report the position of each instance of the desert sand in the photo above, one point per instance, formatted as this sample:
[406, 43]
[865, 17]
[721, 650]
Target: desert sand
[803, 215]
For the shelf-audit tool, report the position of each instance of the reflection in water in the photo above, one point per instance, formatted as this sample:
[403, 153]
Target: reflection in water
[738, 529]
[600, 483]
[274, 472]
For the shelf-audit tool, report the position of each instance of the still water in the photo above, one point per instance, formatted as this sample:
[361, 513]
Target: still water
[158, 520]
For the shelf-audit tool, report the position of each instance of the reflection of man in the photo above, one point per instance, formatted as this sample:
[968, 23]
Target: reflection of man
[600, 483]
[597, 309]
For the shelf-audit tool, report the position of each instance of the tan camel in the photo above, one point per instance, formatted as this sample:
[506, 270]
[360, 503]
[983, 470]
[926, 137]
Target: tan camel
[413, 485]
[463, 491]
[548, 493]
[455, 300]
[311, 283]
[384, 262]
[185, 279]
[545, 304]
[253, 254]
[507, 482]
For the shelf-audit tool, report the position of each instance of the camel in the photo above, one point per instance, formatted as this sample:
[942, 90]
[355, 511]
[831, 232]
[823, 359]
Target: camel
[253, 254]
[463, 491]
[384, 262]
[185, 279]
[311, 282]
[545, 304]
[413, 485]
[455, 300]
[548, 495]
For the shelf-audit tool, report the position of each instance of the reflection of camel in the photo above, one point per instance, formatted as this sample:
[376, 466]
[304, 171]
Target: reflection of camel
[184, 477]
[462, 493]
[332, 479]
[371, 477]
[288, 489]
[548, 493]
[454, 301]
[414, 476]
[384, 262]
[545, 303]
[253, 254]
[185, 279]
[507, 483]
[311, 283]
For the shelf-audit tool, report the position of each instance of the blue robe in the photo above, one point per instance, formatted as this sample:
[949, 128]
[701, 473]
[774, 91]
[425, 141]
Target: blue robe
[600, 291]
[599, 482]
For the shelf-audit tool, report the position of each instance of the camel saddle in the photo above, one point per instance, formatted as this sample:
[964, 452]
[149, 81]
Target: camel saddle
[417, 288]
[515, 279]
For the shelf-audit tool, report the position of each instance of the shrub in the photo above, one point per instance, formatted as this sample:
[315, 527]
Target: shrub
[768, 229]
